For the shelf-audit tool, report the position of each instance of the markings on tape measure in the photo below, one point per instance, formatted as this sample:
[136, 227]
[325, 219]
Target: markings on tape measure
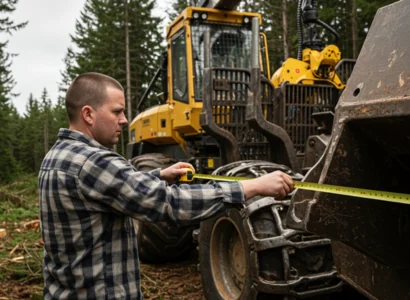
[319, 187]
[354, 192]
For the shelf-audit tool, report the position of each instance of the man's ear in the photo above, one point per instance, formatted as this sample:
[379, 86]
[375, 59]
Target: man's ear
[88, 114]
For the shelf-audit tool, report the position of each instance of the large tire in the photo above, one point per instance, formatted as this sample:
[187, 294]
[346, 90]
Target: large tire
[160, 242]
[224, 265]
[249, 253]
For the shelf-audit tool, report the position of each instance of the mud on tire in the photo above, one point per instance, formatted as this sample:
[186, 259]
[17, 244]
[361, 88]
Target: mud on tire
[160, 242]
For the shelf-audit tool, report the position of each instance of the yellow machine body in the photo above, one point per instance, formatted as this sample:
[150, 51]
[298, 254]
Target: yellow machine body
[316, 67]
[153, 126]
[170, 123]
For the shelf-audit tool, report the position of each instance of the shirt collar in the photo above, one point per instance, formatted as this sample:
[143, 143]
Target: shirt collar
[65, 133]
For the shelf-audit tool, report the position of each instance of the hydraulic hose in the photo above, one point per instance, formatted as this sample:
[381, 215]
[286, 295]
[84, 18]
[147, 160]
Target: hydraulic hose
[334, 32]
[314, 4]
[299, 27]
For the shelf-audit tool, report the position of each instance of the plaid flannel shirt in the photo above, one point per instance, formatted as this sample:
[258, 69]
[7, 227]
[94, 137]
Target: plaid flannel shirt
[88, 197]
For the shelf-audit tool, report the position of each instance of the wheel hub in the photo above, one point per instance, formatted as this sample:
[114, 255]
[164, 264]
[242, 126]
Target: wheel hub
[228, 260]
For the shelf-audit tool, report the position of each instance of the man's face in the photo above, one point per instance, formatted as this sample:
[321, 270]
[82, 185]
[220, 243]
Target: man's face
[109, 118]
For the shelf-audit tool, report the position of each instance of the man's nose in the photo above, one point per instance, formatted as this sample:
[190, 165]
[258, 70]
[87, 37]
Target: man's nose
[123, 120]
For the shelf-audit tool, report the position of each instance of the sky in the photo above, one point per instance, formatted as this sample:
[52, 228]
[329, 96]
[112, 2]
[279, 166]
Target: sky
[41, 46]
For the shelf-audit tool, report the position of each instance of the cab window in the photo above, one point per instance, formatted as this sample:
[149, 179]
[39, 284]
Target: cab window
[179, 68]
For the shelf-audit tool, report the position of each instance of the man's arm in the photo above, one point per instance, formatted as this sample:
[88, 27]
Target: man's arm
[108, 179]
[276, 184]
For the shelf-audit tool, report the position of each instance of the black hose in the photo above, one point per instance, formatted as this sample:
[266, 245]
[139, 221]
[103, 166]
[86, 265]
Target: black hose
[332, 31]
[299, 27]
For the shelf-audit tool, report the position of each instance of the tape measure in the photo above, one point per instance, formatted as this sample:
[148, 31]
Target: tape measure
[326, 188]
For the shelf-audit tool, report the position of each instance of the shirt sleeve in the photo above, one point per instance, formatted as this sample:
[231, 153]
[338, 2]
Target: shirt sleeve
[109, 179]
[156, 173]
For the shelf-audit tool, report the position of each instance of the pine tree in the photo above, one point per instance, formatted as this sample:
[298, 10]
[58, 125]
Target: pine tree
[38, 130]
[46, 120]
[60, 118]
[15, 126]
[176, 8]
[8, 162]
[32, 139]
[8, 166]
[6, 24]
[273, 24]
[100, 38]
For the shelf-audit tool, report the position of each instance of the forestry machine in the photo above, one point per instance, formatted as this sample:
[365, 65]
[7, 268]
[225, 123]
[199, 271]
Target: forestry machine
[224, 114]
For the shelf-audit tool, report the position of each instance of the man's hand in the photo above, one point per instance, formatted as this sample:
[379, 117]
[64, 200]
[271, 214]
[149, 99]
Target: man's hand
[276, 184]
[172, 173]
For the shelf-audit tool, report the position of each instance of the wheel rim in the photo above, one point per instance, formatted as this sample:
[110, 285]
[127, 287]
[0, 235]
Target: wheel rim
[228, 259]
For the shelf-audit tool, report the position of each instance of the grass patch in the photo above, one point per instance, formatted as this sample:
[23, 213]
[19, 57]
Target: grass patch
[19, 200]
[21, 250]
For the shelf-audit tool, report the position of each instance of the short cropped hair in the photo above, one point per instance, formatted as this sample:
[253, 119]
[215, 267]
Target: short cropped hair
[88, 89]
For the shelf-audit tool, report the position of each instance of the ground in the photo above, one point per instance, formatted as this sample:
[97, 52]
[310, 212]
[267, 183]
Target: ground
[160, 282]
[172, 281]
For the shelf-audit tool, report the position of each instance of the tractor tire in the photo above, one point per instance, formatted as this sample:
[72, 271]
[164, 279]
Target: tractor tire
[250, 254]
[160, 242]
[224, 265]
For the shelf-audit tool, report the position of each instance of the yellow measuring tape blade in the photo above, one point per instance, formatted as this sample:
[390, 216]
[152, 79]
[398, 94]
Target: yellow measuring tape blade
[354, 192]
[326, 188]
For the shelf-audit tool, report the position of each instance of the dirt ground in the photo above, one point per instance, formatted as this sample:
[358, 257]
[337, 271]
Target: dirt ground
[160, 282]
[172, 281]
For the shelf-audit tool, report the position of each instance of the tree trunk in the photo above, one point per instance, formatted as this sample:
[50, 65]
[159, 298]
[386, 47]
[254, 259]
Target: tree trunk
[46, 135]
[137, 92]
[127, 67]
[285, 30]
[123, 142]
[355, 31]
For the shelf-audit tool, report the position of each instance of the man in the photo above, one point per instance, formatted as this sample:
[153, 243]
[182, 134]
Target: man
[88, 195]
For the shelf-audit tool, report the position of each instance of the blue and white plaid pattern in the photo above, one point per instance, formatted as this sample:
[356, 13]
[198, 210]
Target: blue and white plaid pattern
[88, 195]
